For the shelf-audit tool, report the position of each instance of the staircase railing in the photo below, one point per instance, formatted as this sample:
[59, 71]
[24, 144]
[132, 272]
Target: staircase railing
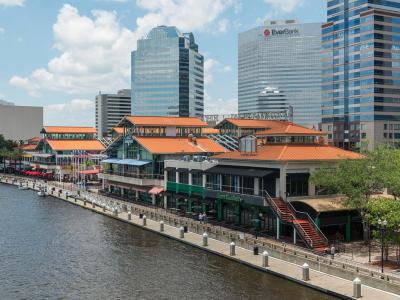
[306, 216]
[292, 214]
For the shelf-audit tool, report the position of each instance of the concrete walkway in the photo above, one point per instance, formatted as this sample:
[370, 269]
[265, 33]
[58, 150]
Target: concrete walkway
[320, 281]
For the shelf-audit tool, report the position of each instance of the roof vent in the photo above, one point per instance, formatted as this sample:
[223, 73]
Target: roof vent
[248, 145]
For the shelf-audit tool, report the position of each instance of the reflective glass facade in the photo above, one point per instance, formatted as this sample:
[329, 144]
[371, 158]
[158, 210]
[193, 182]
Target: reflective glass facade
[167, 75]
[361, 72]
[286, 56]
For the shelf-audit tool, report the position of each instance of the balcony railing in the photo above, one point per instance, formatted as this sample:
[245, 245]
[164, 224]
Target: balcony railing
[186, 189]
[134, 175]
[43, 162]
[233, 189]
[227, 194]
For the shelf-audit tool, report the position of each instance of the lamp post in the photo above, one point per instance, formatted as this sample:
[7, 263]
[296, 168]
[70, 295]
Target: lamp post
[382, 227]
[367, 229]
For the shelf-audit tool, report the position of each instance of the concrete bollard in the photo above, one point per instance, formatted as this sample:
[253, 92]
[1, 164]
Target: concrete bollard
[265, 257]
[181, 232]
[144, 220]
[129, 215]
[104, 208]
[162, 226]
[357, 288]
[205, 239]
[333, 252]
[306, 272]
[232, 251]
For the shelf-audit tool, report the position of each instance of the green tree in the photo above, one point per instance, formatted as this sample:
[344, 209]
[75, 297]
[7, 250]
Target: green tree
[389, 210]
[89, 163]
[387, 162]
[357, 179]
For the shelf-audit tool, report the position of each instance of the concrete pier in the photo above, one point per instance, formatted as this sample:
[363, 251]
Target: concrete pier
[323, 282]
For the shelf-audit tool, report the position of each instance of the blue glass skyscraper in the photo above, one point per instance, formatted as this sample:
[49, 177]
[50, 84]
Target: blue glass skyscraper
[361, 73]
[167, 75]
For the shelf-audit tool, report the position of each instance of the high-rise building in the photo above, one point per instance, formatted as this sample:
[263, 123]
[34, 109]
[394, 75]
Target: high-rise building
[271, 99]
[285, 55]
[167, 74]
[20, 122]
[361, 73]
[110, 109]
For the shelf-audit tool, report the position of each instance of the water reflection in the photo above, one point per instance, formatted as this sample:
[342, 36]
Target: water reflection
[50, 249]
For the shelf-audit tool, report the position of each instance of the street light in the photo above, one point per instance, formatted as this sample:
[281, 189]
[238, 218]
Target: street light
[367, 229]
[382, 227]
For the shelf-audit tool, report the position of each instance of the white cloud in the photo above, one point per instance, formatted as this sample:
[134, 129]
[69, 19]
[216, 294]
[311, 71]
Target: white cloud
[95, 50]
[2, 30]
[212, 66]
[222, 25]
[285, 5]
[12, 2]
[187, 15]
[95, 55]
[25, 83]
[227, 68]
[220, 106]
[209, 67]
[73, 112]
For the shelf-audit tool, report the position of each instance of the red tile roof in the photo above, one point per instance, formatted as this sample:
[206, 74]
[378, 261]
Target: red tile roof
[291, 129]
[118, 130]
[28, 147]
[293, 152]
[35, 139]
[173, 145]
[65, 145]
[68, 129]
[166, 121]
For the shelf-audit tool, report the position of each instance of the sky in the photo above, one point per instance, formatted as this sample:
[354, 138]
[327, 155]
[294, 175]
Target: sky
[61, 54]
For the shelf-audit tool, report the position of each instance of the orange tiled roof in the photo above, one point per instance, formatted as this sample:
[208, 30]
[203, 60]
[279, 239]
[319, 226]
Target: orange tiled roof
[166, 121]
[291, 129]
[172, 145]
[253, 123]
[293, 152]
[118, 130]
[28, 147]
[209, 130]
[68, 129]
[65, 145]
[35, 139]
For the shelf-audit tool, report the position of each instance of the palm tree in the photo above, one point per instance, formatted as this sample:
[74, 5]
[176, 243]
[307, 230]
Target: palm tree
[4, 154]
[17, 154]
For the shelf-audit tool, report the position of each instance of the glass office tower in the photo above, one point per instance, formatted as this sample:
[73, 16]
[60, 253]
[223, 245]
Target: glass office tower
[284, 55]
[167, 75]
[361, 73]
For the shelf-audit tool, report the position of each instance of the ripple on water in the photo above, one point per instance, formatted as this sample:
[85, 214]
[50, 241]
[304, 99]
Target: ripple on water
[50, 249]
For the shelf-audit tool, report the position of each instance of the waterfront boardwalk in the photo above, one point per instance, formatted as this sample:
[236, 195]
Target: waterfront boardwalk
[318, 280]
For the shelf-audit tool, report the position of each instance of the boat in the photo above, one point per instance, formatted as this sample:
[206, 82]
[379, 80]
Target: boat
[23, 187]
[42, 193]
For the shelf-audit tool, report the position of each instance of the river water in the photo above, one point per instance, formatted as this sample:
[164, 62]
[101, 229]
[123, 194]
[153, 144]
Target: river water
[50, 249]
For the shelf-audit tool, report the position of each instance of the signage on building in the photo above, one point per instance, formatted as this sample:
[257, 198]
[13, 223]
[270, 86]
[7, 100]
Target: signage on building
[281, 32]
[128, 140]
[286, 115]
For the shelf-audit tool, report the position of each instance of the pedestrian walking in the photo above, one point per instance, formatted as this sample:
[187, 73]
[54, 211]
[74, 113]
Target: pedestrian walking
[201, 218]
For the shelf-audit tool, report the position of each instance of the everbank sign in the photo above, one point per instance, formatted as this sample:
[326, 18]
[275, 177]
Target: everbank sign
[280, 32]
